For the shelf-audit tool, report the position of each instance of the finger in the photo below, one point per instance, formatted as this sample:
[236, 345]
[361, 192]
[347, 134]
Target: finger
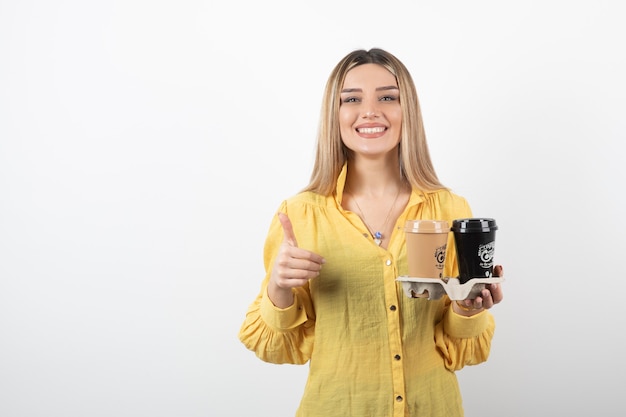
[496, 293]
[300, 259]
[290, 236]
[293, 283]
[308, 259]
[296, 274]
[487, 299]
[498, 271]
[467, 302]
[473, 303]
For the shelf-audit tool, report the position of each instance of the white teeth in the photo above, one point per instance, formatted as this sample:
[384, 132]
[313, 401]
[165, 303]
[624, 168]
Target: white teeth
[371, 129]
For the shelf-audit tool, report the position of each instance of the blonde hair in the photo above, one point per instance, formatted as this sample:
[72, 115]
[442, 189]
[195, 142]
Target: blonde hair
[415, 164]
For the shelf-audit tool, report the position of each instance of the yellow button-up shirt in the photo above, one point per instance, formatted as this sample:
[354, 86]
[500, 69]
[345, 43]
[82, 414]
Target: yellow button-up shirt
[372, 350]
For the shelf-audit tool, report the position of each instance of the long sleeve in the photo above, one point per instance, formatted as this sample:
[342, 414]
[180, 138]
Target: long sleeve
[464, 340]
[461, 340]
[279, 335]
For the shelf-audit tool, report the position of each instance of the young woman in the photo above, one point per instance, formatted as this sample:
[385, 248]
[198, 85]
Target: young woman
[333, 253]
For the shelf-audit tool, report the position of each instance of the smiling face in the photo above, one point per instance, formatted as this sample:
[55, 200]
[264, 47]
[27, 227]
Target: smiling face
[370, 115]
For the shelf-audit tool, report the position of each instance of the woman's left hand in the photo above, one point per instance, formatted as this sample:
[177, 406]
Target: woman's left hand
[489, 296]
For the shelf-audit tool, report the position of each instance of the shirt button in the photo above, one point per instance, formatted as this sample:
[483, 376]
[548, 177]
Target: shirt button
[392, 308]
[397, 357]
[388, 262]
[399, 398]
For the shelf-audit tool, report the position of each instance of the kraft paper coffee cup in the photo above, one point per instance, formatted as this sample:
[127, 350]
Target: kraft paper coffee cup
[426, 242]
[475, 240]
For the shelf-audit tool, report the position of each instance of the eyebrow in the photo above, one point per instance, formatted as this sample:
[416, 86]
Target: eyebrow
[359, 90]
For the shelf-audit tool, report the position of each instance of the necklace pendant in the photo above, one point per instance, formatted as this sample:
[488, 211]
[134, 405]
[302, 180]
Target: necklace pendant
[378, 238]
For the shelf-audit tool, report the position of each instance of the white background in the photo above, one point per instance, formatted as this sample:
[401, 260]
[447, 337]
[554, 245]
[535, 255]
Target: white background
[145, 145]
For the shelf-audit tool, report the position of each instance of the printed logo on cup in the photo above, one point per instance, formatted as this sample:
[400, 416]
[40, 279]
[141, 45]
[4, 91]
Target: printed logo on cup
[440, 256]
[485, 253]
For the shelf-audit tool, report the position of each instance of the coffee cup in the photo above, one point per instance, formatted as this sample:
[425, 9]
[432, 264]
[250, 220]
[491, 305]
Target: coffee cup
[426, 242]
[475, 240]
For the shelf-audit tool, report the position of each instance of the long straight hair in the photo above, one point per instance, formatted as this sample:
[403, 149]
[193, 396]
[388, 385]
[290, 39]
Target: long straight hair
[416, 166]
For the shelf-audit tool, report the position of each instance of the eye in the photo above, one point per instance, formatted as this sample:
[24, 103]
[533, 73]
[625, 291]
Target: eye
[388, 98]
[349, 100]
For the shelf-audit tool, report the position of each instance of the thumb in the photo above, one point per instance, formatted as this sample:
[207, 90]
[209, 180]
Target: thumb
[290, 236]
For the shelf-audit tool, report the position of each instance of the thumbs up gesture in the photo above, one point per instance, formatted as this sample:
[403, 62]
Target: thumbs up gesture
[293, 267]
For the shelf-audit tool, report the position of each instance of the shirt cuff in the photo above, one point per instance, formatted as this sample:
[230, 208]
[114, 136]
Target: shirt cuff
[282, 319]
[462, 327]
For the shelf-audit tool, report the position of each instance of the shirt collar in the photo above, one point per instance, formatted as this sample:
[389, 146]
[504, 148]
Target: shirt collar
[417, 196]
[341, 183]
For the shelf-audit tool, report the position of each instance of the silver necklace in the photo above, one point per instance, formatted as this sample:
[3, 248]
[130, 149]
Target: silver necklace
[377, 236]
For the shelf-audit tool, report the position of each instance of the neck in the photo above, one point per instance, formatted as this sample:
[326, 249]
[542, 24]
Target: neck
[374, 178]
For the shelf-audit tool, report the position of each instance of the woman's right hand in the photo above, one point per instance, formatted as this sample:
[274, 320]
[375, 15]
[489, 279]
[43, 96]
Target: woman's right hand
[293, 267]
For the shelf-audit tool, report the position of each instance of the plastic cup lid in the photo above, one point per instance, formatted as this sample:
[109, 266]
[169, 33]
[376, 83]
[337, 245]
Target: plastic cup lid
[471, 225]
[426, 226]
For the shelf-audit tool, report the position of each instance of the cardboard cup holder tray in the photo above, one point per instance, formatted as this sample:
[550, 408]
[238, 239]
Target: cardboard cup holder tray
[435, 288]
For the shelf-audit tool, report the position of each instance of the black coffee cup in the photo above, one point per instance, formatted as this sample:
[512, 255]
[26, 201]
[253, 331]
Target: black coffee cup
[475, 240]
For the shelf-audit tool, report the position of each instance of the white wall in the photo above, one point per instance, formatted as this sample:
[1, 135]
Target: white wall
[145, 145]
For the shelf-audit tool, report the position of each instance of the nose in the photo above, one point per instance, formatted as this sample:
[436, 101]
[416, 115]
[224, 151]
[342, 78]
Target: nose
[370, 114]
[370, 109]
